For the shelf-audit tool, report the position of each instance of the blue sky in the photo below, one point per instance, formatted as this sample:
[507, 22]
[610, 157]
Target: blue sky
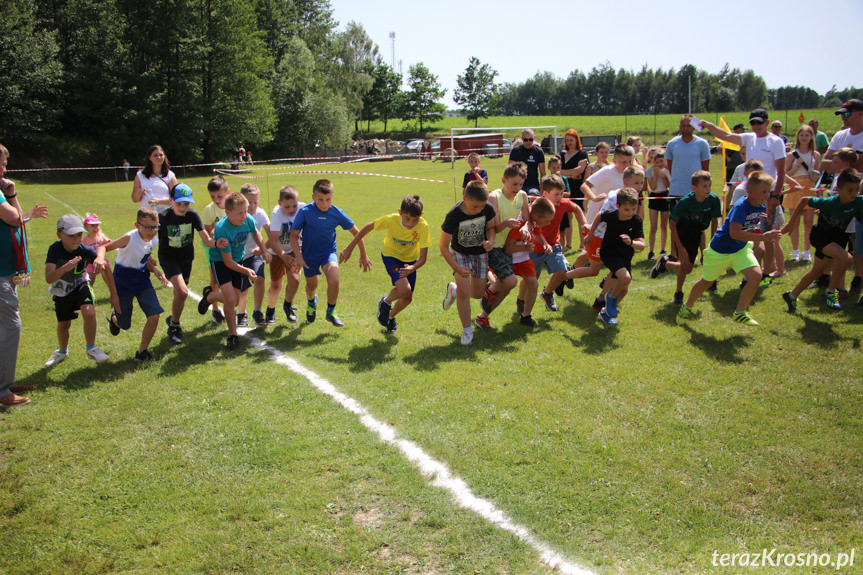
[788, 42]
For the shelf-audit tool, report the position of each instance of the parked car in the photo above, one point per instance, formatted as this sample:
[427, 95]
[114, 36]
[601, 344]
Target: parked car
[415, 145]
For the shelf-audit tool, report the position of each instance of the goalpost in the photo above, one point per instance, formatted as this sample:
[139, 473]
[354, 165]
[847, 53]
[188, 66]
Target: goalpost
[491, 129]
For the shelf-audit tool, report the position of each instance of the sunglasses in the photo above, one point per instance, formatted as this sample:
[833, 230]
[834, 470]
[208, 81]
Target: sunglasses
[846, 114]
[149, 228]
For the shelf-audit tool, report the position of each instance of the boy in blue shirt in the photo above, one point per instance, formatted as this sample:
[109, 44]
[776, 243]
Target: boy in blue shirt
[732, 247]
[237, 226]
[317, 222]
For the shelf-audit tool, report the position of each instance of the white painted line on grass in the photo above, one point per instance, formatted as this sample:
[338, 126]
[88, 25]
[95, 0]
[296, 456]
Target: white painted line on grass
[436, 472]
[62, 202]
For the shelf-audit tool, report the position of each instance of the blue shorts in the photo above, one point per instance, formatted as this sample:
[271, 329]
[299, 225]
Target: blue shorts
[148, 301]
[553, 262]
[315, 264]
[225, 275]
[393, 265]
[255, 263]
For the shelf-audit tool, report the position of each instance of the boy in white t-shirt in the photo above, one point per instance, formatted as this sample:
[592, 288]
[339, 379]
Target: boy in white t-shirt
[282, 264]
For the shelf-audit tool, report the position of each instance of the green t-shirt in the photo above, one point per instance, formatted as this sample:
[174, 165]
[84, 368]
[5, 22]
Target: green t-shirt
[835, 216]
[821, 141]
[692, 214]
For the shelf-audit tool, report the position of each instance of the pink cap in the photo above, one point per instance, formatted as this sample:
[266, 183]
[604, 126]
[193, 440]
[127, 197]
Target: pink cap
[91, 219]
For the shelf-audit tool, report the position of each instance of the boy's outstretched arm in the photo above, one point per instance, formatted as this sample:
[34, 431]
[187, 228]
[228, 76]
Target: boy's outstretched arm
[795, 215]
[154, 269]
[408, 270]
[295, 248]
[349, 249]
[445, 240]
[365, 262]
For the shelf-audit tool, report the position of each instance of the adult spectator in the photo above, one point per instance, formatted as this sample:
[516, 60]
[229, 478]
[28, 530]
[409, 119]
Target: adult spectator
[776, 129]
[153, 183]
[533, 157]
[851, 136]
[13, 264]
[685, 154]
[821, 139]
[575, 166]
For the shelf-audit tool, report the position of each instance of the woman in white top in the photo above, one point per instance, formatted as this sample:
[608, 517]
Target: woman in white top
[153, 184]
[801, 164]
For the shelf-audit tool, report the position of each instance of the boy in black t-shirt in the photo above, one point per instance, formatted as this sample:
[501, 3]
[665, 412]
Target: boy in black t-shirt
[177, 226]
[468, 230]
[66, 271]
[623, 235]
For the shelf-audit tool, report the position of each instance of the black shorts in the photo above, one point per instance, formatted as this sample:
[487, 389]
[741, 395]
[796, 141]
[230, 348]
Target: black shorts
[225, 275]
[691, 240]
[615, 262]
[656, 203]
[172, 268]
[564, 221]
[821, 238]
[256, 263]
[65, 307]
[577, 198]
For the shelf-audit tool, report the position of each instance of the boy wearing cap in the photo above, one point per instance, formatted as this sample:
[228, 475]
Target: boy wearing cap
[177, 226]
[66, 271]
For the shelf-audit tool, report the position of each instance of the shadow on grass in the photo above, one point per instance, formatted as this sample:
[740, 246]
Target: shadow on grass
[822, 333]
[367, 357]
[725, 350]
[500, 340]
[596, 337]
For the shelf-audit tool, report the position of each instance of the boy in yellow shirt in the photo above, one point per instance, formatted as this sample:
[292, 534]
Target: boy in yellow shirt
[405, 250]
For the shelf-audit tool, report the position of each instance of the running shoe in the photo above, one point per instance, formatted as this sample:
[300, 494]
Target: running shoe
[791, 301]
[744, 318]
[449, 297]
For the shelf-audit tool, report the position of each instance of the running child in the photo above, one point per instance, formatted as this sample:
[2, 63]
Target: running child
[254, 259]
[731, 246]
[217, 187]
[95, 238]
[318, 222]
[283, 263]
[691, 216]
[828, 236]
[475, 172]
[132, 270]
[177, 226]
[237, 226]
[468, 235]
[554, 168]
[624, 234]
[405, 250]
[510, 204]
[66, 271]
[541, 214]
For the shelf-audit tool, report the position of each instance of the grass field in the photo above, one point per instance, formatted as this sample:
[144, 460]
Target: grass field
[643, 449]
[653, 129]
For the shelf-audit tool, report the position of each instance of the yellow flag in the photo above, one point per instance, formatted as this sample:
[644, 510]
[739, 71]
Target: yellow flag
[726, 145]
[801, 118]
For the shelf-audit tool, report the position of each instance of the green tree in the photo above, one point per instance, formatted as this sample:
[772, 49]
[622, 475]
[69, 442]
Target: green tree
[383, 100]
[477, 91]
[31, 76]
[421, 101]
[350, 72]
[751, 91]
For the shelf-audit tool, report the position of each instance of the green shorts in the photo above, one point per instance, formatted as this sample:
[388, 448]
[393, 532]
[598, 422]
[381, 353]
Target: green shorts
[716, 263]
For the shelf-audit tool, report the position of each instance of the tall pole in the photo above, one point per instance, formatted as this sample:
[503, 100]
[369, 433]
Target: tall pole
[393, 49]
[690, 93]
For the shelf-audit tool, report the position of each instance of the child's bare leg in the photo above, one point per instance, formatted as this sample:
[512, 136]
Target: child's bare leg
[753, 278]
[293, 285]
[260, 288]
[819, 265]
[215, 286]
[779, 258]
[149, 331]
[808, 222]
[88, 315]
[273, 291]
[698, 289]
[63, 328]
[462, 298]
[555, 280]
[530, 286]
[841, 261]
[585, 271]
[621, 284]
[769, 256]
[241, 301]
[401, 294]
[663, 219]
[609, 284]
[311, 287]
[794, 235]
[181, 292]
[654, 216]
[331, 272]
[568, 233]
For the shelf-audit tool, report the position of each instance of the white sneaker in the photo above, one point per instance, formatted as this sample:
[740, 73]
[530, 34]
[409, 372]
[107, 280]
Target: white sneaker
[449, 297]
[807, 257]
[466, 337]
[97, 354]
[56, 357]
[795, 256]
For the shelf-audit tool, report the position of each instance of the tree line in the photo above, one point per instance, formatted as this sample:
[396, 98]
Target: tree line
[94, 81]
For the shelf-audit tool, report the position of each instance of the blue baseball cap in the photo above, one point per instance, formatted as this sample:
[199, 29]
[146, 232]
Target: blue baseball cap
[182, 193]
